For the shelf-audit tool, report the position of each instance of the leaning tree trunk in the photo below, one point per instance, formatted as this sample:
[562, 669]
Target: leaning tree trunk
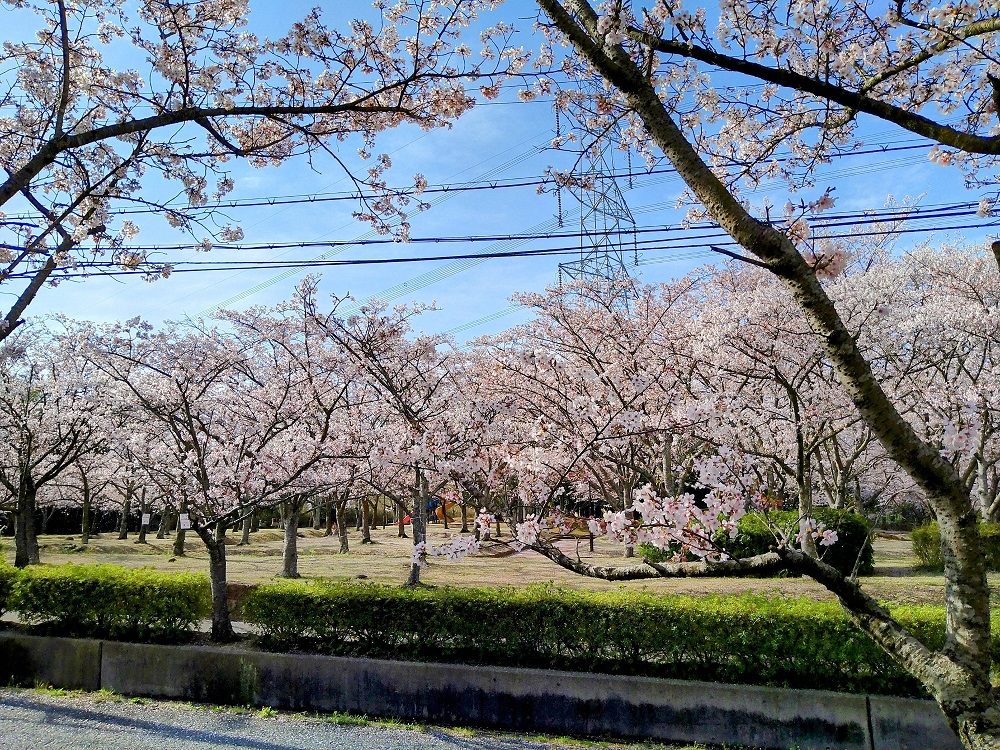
[25, 538]
[290, 546]
[968, 702]
[214, 539]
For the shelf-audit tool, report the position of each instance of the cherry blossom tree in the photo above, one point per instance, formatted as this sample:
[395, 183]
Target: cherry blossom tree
[823, 65]
[51, 417]
[81, 136]
[223, 438]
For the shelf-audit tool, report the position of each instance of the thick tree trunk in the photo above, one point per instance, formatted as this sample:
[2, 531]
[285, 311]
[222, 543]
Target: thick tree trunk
[465, 517]
[25, 538]
[290, 545]
[317, 516]
[222, 626]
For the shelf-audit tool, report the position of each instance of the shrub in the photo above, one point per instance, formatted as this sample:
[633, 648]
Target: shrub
[7, 576]
[926, 542]
[794, 643]
[111, 602]
[755, 538]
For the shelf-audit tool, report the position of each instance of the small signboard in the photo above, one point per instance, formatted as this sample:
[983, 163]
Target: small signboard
[145, 519]
[184, 521]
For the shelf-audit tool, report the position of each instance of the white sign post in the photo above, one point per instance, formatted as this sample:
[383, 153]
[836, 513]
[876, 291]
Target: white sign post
[145, 519]
[185, 522]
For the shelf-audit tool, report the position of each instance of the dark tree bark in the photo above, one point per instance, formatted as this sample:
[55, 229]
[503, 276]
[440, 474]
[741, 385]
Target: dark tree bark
[25, 538]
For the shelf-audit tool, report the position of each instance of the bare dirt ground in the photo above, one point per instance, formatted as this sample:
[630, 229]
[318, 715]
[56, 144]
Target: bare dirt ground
[896, 578]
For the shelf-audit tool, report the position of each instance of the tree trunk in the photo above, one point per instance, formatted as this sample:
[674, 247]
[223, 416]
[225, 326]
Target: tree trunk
[126, 512]
[164, 524]
[143, 512]
[418, 522]
[366, 521]
[290, 546]
[181, 533]
[317, 516]
[47, 514]
[25, 538]
[400, 515]
[247, 523]
[342, 524]
[85, 525]
[222, 626]
[465, 517]
[330, 517]
[967, 596]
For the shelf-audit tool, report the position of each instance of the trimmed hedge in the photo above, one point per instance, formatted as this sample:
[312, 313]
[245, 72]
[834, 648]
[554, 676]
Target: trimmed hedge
[926, 542]
[756, 538]
[794, 643]
[111, 602]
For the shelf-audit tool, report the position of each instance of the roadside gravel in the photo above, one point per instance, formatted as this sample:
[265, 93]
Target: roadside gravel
[34, 719]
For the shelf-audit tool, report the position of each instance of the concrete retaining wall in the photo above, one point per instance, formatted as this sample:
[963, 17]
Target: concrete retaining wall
[513, 699]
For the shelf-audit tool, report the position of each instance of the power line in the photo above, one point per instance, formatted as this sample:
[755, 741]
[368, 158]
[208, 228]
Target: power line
[651, 245]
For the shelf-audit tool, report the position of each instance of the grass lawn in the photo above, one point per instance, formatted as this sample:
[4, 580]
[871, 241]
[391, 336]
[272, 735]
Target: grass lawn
[896, 579]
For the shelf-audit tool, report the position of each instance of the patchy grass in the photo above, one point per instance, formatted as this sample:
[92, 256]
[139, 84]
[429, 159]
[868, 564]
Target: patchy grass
[897, 578]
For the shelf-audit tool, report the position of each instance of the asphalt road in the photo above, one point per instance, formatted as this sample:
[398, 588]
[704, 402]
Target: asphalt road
[31, 720]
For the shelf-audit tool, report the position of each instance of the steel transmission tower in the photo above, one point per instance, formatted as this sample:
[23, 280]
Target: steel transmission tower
[607, 228]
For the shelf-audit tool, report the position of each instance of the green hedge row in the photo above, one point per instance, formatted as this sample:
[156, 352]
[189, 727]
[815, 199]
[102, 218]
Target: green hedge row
[106, 601]
[926, 542]
[746, 639]
[755, 538]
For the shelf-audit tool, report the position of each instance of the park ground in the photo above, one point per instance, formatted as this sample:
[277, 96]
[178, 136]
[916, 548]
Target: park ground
[897, 579]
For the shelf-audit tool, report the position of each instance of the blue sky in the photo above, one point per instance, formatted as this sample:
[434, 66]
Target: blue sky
[494, 142]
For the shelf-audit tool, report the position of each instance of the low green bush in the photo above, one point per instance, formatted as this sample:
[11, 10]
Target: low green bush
[926, 541]
[7, 575]
[111, 602]
[794, 643]
[756, 537]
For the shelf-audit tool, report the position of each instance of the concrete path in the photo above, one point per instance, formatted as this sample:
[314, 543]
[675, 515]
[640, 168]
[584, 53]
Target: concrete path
[32, 720]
